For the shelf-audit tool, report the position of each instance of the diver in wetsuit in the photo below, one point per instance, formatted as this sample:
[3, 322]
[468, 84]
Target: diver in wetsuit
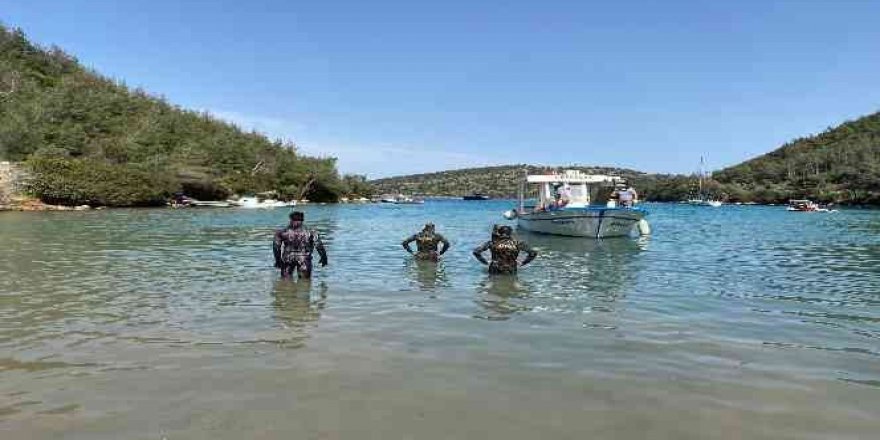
[427, 244]
[505, 250]
[293, 248]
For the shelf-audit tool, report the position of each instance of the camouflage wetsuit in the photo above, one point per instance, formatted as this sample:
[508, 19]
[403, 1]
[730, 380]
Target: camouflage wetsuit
[505, 250]
[427, 244]
[293, 248]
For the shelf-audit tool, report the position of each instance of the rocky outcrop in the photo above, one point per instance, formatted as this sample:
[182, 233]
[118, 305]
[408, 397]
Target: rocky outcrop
[9, 178]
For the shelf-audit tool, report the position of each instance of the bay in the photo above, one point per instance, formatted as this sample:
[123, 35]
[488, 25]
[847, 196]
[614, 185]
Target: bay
[736, 322]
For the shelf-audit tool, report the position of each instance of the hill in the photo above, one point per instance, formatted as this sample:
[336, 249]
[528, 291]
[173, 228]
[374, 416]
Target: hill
[840, 165]
[87, 139]
[502, 181]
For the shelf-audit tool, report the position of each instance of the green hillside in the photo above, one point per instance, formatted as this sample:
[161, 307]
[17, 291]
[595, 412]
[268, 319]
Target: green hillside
[502, 181]
[88, 139]
[840, 165]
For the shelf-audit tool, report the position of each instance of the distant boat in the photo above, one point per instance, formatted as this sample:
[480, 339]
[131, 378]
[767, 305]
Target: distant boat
[805, 206]
[476, 196]
[704, 202]
[255, 203]
[702, 198]
[401, 199]
[208, 204]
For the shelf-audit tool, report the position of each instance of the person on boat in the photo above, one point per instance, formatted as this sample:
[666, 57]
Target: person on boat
[560, 197]
[293, 247]
[615, 193]
[179, 200]
[565, 193]
[428, 243]
[627, 196]
[505, 250]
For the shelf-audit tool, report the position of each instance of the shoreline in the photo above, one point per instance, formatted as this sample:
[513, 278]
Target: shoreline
[20, 204]
[35, 205]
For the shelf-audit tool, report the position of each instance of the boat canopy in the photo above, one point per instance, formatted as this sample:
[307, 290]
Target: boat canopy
[572, 188]
[572, 176]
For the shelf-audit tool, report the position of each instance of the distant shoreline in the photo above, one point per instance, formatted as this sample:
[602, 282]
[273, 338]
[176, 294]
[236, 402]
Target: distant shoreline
[34, 205]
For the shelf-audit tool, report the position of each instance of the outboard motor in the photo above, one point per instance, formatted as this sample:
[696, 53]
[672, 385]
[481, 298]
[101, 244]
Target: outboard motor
[643, 227]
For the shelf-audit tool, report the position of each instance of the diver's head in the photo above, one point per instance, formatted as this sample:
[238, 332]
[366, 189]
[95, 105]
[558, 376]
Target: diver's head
[495, 229]
[505, 231]
[297, 217]
[429, 227]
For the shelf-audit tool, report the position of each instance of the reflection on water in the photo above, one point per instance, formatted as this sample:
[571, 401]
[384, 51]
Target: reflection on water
[573, 276]
[502, 295]
[297, 304]
[593, 273]
[427, 275]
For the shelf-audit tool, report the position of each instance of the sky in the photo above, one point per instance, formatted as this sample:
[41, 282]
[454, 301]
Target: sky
[396, 87]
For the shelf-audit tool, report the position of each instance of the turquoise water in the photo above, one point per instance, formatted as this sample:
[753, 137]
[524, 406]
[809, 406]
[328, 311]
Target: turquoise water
[735, 322]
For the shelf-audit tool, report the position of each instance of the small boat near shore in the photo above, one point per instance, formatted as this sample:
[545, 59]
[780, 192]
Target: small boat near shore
[704, 202]
[256, 203]
[208, 204]
[182, 201]
[476, 196]
[401, 199]
[805, 205]
[577, 217]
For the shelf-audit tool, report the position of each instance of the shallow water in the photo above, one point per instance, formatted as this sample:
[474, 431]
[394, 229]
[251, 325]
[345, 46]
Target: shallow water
[736, 322]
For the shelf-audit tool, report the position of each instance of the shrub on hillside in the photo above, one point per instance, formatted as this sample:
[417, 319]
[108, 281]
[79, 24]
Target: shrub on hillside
[66, 181]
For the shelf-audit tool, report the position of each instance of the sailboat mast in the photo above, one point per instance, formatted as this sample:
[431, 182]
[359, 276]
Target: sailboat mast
[702, 171]
[522, 190]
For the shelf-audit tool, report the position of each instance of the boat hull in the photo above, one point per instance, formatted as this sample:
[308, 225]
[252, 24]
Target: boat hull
[209, 204]
[699, 202]
[808, 210]
[254, 203]
[591, 222]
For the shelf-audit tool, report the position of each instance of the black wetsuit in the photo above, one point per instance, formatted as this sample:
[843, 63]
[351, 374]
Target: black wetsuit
[293, 247]
[427, 245]
[505, 251]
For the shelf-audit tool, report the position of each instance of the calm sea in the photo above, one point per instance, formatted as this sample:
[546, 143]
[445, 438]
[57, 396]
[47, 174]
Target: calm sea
[727, 323]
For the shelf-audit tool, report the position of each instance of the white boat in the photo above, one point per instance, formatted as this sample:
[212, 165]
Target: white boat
[207, 204]
[705, 202]
[256, 203]
[806, 206]
[574, 215]
[703, 199]
[401, 199]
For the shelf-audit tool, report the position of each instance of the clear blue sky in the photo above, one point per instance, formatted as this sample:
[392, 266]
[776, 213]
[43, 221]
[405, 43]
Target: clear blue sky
[398, 86]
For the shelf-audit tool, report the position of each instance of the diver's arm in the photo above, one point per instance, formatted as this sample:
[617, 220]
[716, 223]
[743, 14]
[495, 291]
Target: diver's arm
[319, 246]
[530, 253]
[478, 252]
[445, 243]
[409, 240]
[277, 246]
